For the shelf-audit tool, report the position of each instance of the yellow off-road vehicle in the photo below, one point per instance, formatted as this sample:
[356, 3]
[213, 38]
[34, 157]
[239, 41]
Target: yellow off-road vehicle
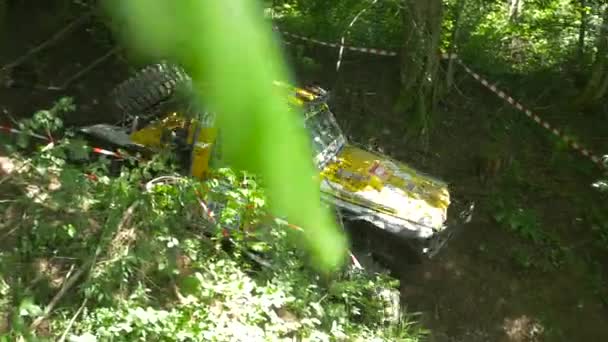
[363, 185]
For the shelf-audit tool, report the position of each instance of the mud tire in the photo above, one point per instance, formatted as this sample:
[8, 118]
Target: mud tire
[144, 93]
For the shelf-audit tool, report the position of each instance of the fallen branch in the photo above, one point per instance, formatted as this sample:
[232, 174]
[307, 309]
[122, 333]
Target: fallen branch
[262, 262]
[9, 233]
[48, 42]
[90, 67]
[71, 280]
[64, 289]
[69, 327]
[162, 179]
[33, 87]
[10, 117]
[126, 217]
[76, 76]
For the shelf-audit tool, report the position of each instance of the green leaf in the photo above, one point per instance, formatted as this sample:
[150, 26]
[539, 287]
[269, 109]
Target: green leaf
[229, 52]
[23, 140]
[78, 149]
[28, 308]
[70, 230]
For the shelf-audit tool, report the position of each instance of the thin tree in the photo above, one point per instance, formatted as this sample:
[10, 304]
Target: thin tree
[598, 83]
[420, 58]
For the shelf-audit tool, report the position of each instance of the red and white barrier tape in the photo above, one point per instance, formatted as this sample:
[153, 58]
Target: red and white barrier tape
[107, 152]
[573, 144]
[373, 51]
[9, 129]
[601, 162]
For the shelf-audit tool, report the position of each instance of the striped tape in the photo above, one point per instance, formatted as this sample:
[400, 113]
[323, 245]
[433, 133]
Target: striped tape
[600, 162]
[9, 129]
[107, 152]
[373, 51]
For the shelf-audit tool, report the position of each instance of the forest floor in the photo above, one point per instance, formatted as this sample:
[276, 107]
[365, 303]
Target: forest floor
[539, 277]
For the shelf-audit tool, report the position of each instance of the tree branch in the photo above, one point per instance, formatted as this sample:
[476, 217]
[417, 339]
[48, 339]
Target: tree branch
[48, 42]
[347, 31]
[84, 268]
[69, 327]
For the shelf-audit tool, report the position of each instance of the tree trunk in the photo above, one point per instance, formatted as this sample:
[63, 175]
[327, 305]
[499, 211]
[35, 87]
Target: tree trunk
[515, 8]
[454, 43]
[420, 59]
[598, 83]
[582, 31]
[3, 23]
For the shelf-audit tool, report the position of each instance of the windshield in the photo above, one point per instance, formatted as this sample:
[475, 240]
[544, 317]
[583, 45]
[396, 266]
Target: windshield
[326, 135]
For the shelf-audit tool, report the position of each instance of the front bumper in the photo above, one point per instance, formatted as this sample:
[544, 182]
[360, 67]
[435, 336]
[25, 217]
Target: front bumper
[400, 227]
[427, 241]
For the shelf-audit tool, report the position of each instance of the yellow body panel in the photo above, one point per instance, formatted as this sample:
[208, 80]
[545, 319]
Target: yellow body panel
[376, 181]
[201, 155]
[152, 136]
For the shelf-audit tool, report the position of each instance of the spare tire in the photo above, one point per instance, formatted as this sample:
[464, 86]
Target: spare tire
[145, 92]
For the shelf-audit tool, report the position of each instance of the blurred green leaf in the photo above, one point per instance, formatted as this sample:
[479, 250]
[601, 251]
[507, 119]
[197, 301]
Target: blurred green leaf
[228, 50]
[27, 307]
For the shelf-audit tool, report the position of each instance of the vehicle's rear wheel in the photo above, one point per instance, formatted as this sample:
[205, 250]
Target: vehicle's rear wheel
[145, 93]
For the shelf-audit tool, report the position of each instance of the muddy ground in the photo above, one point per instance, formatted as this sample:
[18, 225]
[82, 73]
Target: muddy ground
[490, 283]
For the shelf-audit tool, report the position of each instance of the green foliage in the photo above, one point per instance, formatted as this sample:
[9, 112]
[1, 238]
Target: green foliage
[43, 121]
[158, 266]
[544, 34]
[379, 26]
[226, 304]
[598, 281]
[601, 185]
[546, 251]
[598, 218]
[522, 221]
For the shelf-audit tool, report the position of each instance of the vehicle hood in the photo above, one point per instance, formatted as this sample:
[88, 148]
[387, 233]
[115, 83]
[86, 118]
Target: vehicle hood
[377, 182]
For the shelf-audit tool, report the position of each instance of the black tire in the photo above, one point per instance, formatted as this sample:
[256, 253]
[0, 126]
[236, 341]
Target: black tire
[144, 93]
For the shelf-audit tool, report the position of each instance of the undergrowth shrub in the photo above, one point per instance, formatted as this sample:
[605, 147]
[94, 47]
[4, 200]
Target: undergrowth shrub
[148, 254]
